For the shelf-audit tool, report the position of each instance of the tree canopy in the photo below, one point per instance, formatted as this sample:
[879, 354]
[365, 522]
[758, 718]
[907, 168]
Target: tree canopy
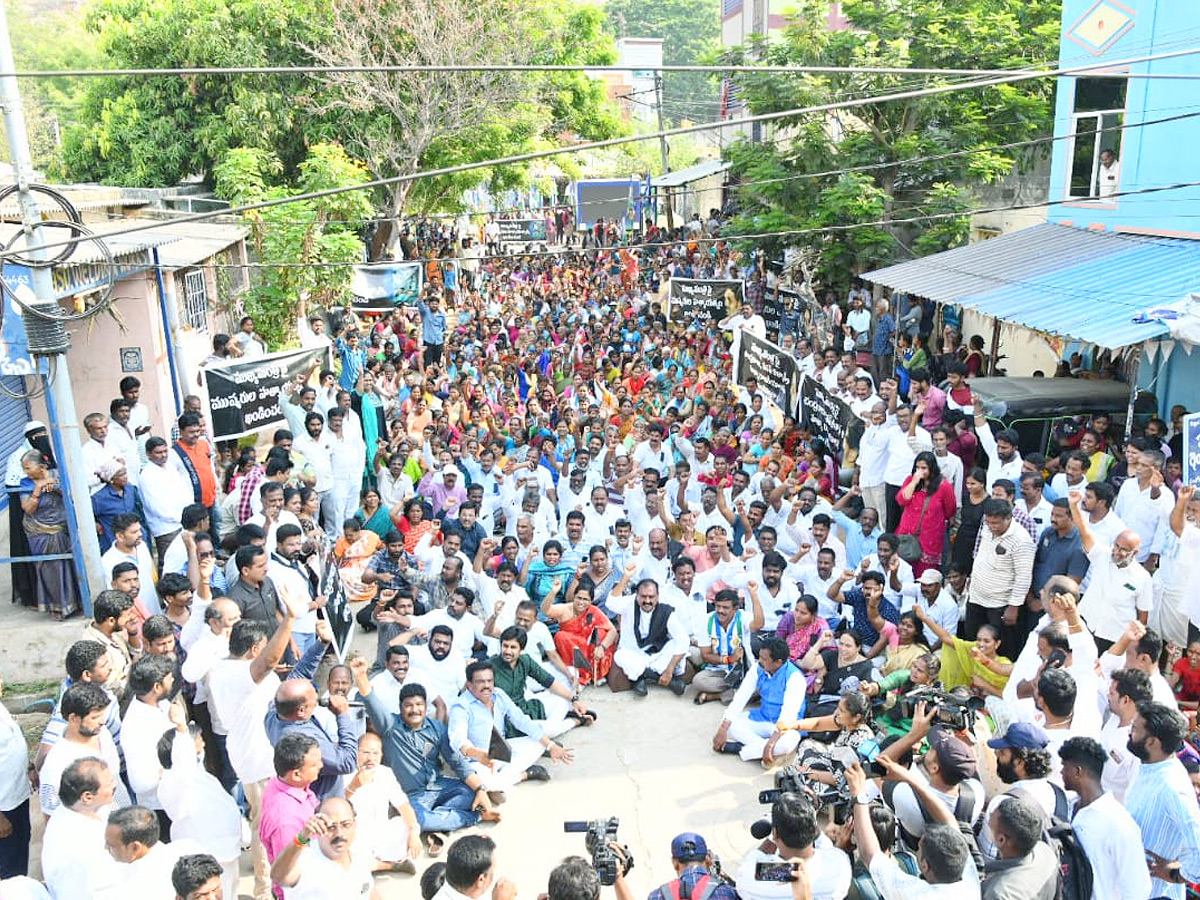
[786, 185]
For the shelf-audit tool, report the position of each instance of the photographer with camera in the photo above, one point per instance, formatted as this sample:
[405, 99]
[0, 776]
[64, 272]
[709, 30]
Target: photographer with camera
[697, 877]
[947, 767]
[943, 855]
[575, 879]
[767, 870]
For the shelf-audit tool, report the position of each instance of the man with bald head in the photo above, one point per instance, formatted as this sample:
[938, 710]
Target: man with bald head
[1120, 589]
[331, 868]
[292, 713]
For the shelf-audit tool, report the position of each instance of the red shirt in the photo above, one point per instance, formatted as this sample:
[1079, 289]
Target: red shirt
[1189, 680]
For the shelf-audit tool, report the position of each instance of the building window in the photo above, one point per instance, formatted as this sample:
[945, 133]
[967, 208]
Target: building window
[730, 7]
[1095, 146]
[195, 299]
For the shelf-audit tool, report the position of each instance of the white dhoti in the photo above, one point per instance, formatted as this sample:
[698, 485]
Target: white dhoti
[753, 736]
[525, 752]
[230, 873]
[556, 721]
[1169, 617]
[386, 841]
[634, 662]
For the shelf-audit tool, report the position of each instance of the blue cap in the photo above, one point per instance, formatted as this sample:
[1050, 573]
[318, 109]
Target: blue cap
[1021, 736]
[688, 846]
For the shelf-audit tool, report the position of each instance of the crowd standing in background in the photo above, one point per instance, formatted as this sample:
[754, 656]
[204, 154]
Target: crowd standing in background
[533, 484]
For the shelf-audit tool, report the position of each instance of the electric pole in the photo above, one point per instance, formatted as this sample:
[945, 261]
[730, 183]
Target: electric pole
[662, 144]
[60, 399]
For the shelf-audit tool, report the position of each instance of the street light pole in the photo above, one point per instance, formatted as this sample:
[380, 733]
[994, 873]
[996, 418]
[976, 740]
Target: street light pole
[60, 399]
[662, 145]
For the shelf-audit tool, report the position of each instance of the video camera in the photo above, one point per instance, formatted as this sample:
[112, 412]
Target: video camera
[953, 710]
[598, 834]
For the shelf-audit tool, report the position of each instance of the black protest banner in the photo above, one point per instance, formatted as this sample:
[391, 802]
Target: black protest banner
[827, 417]
[522, 231]
[337, 609]
[244, 395]
[773, 367]
[695, 299]
[772, 312]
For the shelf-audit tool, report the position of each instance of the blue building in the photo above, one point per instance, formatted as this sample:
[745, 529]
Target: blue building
[1112, 269]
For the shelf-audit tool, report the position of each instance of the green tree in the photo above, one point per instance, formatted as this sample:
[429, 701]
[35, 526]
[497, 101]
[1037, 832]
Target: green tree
[691, 32]
[305, 232]
[792, 190]
[159, 131]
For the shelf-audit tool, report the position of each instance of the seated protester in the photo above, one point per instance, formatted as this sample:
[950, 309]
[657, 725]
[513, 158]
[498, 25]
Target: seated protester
[437, 667]
[724, 657]
[480, 718]
[538, 574]
[389, 606]
[388, 683]
[949, 768]
[415, 746]
[654, 640]
[936, 600]
[556, 705]
[900, 643]
[1024, 762]
[975, 664]
[944, 857]
[837, 662]
[801, 627]
[847, 726]
[1027, 866]
[1110, 838]
[543, 648]
[858, 598]
[891, 717]
[780, 686]
[586, 637]
[390, 842]
[795, 838]
[457, 616]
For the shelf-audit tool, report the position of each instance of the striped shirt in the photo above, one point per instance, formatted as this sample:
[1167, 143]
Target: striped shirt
[1003, 567]
[1163, 803]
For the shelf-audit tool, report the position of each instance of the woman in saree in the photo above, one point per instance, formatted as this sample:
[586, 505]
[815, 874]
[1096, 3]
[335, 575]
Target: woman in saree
[598, 573]
[900, 643]
[373, 514]
[586, 638]
[45, 526]
[351, 553]
[975, 664]
[413, 524]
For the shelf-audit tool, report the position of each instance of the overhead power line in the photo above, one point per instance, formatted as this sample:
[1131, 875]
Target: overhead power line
[1008, 78]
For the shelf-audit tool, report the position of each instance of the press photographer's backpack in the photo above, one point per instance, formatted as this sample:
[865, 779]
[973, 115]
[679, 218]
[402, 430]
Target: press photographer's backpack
[964, 806]
[1074, 868]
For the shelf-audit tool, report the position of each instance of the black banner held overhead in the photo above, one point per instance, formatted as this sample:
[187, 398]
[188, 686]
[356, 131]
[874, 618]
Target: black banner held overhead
[774, 368]
[827, 417]
[244, 395]
[337, 609]
[694, 299]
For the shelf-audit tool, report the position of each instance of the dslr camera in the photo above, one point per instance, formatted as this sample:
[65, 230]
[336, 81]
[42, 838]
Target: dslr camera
[598, 834]
[957, 712]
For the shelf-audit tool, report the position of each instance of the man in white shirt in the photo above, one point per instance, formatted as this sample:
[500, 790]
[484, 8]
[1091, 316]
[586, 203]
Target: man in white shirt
[164, 493]
[348, 452]
[1126, 690]
[654, 640]
[85, 708]
[98, 450]
[1110, 838]
[949, 463]
[1108, 175]
[330, 866]
[313, 445]
[1120, 589]
[436, 667]
[927, 593]
[144, 862]
[1144, 504]
[74, 862]
[128, 546]
[746, 320]
[796, 838]
[1033, 503]
[387, 684]
[151, 681]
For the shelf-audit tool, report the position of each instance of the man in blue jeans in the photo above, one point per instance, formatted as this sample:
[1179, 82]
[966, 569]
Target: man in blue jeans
[415, 746]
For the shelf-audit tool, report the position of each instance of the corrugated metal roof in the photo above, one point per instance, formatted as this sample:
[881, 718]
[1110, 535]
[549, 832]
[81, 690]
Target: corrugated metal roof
[87, 251]
[690, 174]
[197, 242]
[1079, 284]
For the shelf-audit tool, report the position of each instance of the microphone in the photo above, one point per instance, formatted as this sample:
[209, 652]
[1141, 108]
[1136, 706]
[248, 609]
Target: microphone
[761, 829]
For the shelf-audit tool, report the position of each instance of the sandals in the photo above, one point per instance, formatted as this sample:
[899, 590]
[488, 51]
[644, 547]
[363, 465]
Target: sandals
[434, 844]
[589, 717]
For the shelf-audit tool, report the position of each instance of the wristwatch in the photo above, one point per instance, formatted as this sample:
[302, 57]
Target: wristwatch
[862, 800]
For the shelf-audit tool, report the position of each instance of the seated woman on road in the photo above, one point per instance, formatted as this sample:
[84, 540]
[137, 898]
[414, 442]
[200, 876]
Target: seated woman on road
[801, 628]
[836, 661]
[586, 638]
[975, 664]
[900, 644]
[352, 552]
[847, 726]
